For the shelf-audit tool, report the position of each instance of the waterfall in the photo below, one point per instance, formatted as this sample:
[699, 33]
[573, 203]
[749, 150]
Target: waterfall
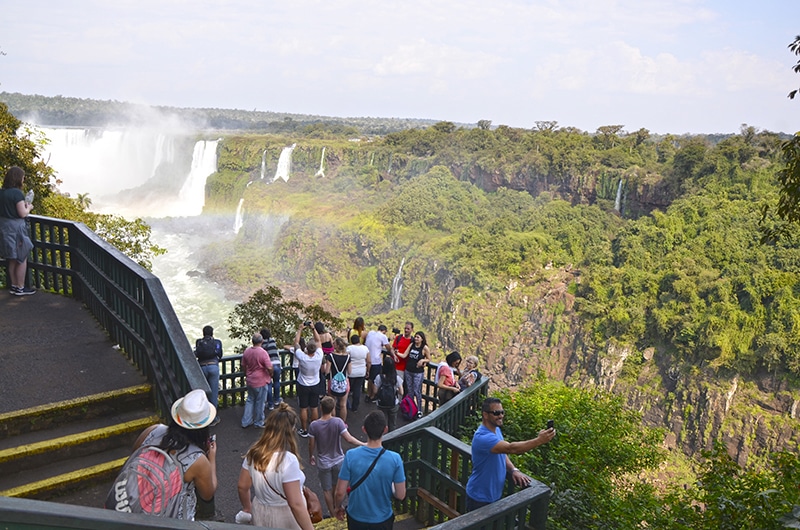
[132, 172]
[284, 164]
[192, 196]
[104, 161]
[238, 221]
[618, 200]
[320, 172]
[397, 287]
[263, 164]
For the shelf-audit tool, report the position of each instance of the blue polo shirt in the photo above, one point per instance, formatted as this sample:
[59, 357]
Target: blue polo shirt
[371, 502]
[488, 476]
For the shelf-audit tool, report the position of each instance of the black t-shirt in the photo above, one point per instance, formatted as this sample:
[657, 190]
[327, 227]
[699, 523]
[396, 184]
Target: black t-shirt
[414, 356]
[8, 202]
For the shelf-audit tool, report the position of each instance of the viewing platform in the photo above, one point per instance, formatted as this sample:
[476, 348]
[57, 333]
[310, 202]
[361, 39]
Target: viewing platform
[98, 354]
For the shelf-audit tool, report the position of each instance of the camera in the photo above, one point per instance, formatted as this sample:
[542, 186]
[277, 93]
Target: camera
[307, 323]
[396, 331]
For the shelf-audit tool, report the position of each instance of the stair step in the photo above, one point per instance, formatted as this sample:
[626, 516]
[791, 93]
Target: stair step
[66, 476]
[65, 412]
[31, 455]
[73, 428]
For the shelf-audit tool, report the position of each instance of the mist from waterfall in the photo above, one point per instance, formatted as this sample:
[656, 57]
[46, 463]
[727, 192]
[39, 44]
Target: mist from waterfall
[100, 162]
[397, 287]
[263, 164]
[159, 176]
[284, 164]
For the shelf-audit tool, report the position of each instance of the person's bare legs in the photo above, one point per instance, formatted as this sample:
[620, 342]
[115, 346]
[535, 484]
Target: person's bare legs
[328, 494]
[16, 272]
[341, 407]
[304, 418]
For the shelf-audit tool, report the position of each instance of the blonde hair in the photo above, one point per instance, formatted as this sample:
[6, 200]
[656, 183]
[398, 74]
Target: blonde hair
[278, 437]
[472, 359]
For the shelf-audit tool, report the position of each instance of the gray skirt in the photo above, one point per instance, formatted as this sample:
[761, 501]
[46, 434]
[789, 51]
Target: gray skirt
[14, 241]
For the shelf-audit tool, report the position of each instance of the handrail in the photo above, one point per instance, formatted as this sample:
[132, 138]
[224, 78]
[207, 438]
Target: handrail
[34, 514]
[127, 300]
[440, 465]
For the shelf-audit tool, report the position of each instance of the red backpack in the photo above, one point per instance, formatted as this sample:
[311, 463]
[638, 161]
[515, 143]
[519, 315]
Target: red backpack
[151, 482]
[408, 407]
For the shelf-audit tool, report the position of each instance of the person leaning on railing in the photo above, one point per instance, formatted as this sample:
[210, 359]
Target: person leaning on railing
[490, 462]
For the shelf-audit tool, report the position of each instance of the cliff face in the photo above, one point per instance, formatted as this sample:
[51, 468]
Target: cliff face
[639, 194]
[695, 406]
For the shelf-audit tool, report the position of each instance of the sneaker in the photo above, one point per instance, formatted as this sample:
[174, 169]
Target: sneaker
[24, 291]
[14, 289]
[215, 422]
[303, 433]
[271, 407]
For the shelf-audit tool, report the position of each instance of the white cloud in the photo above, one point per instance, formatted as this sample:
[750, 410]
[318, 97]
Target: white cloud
[500, 60]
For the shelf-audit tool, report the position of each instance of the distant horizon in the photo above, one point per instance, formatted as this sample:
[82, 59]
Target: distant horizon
[337, 118]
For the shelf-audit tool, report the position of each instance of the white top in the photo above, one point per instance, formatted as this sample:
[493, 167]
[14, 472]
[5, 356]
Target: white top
[358, 360]
[309, 367]
[288, 472]
[375, 341]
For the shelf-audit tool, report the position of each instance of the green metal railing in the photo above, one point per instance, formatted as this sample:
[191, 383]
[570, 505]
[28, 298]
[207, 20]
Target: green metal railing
[127, 300]
[438, 465]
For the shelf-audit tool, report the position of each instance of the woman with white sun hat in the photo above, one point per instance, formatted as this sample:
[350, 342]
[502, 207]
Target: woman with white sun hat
[188, 440]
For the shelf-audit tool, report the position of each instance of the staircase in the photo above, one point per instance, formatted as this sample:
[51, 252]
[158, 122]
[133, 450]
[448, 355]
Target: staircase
[55, 450]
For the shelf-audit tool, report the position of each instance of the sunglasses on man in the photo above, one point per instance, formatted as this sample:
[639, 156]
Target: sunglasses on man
[496, 412]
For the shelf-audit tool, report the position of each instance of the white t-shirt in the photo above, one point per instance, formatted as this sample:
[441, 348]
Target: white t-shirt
[375, 341]
[309, 367]
[288, 472]
[358, 360]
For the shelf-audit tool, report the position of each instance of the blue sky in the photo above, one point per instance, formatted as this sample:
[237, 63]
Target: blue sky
[671, 66]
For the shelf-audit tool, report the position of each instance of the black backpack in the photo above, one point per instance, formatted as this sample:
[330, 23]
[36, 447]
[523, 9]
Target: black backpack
[386, 394]
[206, 349]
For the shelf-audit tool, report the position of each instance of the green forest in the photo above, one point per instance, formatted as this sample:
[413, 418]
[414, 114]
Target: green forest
[662, 244]
[636, 288]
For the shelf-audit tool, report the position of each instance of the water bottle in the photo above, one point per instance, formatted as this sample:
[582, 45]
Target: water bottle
[29, 197]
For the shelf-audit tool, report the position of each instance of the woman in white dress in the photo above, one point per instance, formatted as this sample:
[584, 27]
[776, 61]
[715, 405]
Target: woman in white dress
[271, 468]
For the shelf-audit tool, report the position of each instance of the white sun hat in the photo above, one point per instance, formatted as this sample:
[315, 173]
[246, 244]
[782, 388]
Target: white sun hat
[193, 411]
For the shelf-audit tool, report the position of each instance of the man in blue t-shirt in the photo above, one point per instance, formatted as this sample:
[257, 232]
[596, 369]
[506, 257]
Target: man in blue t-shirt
[490, 462]
[370, 496]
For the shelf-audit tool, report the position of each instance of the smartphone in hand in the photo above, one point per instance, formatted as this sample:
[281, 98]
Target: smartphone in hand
[550, 424]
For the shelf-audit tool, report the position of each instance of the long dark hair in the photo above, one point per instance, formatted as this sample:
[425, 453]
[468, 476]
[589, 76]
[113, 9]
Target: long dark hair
[179, 438]
[388, 371]
[14, 177]
[422, 336]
